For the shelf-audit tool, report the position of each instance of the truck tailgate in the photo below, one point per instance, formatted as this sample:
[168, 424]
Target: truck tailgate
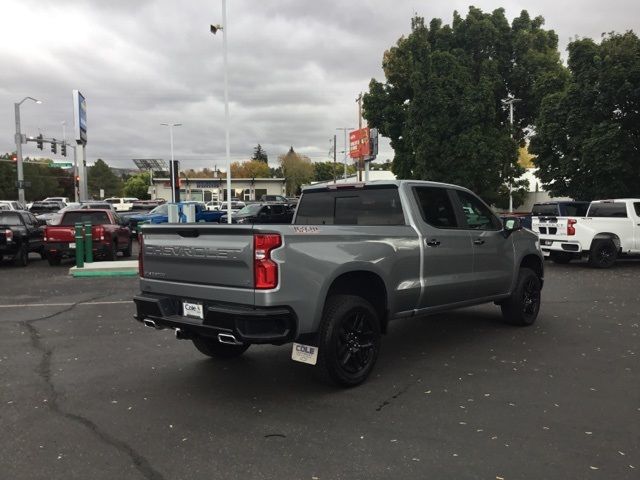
[199, 254]
[60, 233]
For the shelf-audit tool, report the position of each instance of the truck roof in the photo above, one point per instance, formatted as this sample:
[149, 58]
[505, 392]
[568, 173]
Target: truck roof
[609, 200]
[397, 183]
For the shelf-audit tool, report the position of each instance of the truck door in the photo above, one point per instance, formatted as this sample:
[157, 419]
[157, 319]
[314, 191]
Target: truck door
[447, 260]
[493, 257]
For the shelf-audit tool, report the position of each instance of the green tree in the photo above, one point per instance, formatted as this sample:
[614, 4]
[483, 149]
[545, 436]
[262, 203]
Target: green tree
[260, 155]
[587, 138]
[99, 177]
[323, 171]
[441, 103]
[297, 169]
[137, 186]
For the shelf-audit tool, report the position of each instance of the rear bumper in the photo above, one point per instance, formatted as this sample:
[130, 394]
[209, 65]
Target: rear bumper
[9, 249]
[274, 325]
[559, 244]
[62, 249]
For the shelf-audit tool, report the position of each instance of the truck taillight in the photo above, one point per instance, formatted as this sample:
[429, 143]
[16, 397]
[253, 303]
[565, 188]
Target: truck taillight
[8, 235]
[571, 230]
[140, 257]
[99, 233]
[265, 270]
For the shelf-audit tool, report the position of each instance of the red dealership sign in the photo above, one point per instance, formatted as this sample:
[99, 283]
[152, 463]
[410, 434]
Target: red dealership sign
[359, 145]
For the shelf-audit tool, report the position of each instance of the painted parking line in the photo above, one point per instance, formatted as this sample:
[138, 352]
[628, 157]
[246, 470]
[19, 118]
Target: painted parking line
[24, 305]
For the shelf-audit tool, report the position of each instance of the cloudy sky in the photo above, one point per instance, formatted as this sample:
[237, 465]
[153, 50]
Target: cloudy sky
[296, 67]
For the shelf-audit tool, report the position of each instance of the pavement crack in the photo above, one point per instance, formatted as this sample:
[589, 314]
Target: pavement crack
[393, 397]
[44, 371]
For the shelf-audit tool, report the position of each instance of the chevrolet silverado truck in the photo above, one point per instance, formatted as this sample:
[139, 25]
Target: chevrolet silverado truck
[608, 230]
[355, 257]
[108, 235]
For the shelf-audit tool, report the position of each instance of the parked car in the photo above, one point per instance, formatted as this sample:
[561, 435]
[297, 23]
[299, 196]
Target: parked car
[12, 204]
[608, 230]
[64, 200]
[121, 204]
[20, 234]
[160, 214]
[355, 257]
[274, 198]
[108, 234]
[142, 205]
[46, 211]
[261, 213]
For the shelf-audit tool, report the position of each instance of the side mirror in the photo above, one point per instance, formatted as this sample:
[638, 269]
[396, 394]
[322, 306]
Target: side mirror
[511, 224]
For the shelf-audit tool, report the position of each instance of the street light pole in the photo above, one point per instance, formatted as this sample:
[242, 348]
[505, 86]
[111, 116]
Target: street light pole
[214, 29]
[346, 153]
[510, 100]
[171, 125]
[16, 105]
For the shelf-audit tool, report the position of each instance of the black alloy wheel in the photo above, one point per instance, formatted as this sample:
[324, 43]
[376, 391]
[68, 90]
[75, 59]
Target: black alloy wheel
[522, 307]
[603, 254]
[349, 340]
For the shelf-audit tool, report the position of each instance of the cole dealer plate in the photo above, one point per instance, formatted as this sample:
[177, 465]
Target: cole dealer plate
[192, 310]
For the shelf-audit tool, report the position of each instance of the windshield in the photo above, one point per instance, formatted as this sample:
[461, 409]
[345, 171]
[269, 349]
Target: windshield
[250, 210]
[9, 219]
[96, 218]
[161, 209]
[112, 201]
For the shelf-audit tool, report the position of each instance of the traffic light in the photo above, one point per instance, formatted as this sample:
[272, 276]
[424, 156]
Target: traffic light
[54, 146]
[77, 181]
[63, 149]
[14, 158]
[39, 141]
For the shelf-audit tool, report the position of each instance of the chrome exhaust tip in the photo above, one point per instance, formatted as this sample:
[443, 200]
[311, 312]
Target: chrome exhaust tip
[228, 339]
[149, 323]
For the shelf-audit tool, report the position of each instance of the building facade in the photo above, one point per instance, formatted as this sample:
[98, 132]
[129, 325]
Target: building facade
[215, 189]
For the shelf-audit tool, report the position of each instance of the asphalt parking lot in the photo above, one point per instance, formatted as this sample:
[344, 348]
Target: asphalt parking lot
[87, 392]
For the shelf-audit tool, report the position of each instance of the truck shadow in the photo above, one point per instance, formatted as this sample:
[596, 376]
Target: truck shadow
[413, 347]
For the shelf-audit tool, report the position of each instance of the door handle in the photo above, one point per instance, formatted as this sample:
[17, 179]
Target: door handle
[478, 241]
[433, 242]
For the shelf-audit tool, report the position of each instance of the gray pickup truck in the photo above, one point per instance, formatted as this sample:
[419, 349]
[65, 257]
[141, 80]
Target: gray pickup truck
[355, 257]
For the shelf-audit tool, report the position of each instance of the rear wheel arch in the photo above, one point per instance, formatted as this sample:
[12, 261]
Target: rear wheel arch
[533, 262]
[364, 284]
[606, 236]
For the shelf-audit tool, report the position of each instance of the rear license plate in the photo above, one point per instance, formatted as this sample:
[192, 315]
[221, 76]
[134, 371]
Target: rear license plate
[304, 353]
[72, 245]
[192, 309]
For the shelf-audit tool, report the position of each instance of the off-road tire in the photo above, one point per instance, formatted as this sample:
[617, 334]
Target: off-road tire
[603, 254]
[54, 260]
[211, 347]
[127, 251]
[522, 307]
[22, 257]
[348, 340]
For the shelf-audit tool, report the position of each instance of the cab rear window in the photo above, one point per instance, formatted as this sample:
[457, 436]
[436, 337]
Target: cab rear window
[96, 218]
[610, 210]
[351, 206]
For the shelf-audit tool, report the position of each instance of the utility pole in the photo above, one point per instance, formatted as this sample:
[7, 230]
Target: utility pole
[335, 138]
[360, 158]
[19, 141]
[345, 151]
[510, 100]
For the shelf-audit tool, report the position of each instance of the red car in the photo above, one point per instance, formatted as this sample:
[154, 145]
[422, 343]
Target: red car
[108, 234]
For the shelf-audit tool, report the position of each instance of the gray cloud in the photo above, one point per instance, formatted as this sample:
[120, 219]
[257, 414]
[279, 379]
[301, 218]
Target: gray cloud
[295, 68]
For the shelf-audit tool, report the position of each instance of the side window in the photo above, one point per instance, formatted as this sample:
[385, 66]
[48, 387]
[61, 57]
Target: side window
[277, 209]
[26, 219]
[435, 207]
[477, 215]
[636, 205]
